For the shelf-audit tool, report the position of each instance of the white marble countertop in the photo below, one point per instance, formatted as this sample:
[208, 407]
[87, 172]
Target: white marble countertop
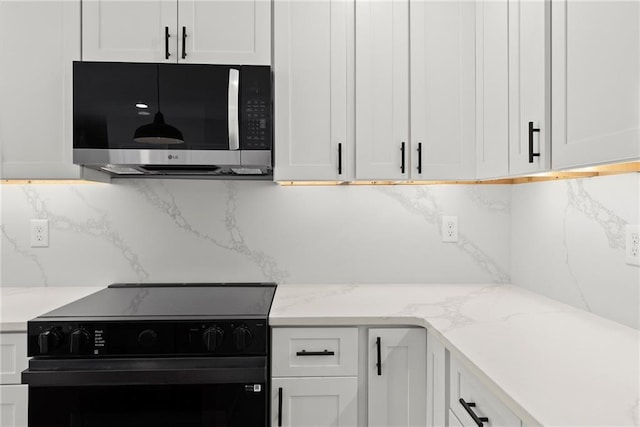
[20, 304]
[552, 364]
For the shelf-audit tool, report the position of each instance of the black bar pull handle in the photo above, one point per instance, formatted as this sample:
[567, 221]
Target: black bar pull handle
[419, 157]
[379, 364]
[184, 42]
[279, 406]
[315, 353]
[531, 153]
[340, 158]
[467, 407]
[166, 43]
[402, 164]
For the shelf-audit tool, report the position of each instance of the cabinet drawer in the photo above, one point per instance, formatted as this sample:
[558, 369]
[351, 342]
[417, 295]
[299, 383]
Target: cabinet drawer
[13, 356]
[300, 352]
[465, 385]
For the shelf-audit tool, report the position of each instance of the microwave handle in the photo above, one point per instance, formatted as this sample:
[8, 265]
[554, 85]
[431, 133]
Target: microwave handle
[234, 131]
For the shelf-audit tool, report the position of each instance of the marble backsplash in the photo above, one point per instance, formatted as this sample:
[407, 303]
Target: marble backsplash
[563, 239]
[181, 230]
[568, 239]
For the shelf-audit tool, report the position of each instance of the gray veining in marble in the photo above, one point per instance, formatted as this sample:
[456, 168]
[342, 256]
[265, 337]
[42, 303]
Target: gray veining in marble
[25, 253]
[478, 195]
[99, 227]
[582, 201]
[166, 203]
[426, 205]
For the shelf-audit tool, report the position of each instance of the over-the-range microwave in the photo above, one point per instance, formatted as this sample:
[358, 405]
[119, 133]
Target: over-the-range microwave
[215, 120]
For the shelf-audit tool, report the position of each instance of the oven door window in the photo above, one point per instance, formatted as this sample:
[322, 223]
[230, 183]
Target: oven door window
[153, 406]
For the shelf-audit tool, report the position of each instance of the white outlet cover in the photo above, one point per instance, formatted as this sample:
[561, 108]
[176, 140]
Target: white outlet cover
[632, 244]
[39, 233]
[449, 228]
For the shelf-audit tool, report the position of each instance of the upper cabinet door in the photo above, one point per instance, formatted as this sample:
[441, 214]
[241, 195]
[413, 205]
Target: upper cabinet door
[596, 81]
[132, 31]
[313, 79]
[492, 88]
[442, 89]
[382, 90]
[529, 88]
[224, 31]
[40, 40]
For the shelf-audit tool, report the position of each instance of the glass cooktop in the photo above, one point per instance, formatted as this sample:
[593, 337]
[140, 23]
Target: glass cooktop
[173, 299]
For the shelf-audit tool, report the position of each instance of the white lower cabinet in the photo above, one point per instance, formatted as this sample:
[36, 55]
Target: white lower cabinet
[471, 404]
[13, 395]
[436, 382]
[314, 401]
[397, 377]
[13, 405]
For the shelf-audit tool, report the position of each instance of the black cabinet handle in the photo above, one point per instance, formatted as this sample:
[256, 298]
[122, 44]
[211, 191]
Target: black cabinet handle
[379, 364]
[315, 353]
[166, 43]
[402, 151]
[467, 407]
[279, 406]
[419, 157]
[531, 153]
[340, 158]
[184, 42]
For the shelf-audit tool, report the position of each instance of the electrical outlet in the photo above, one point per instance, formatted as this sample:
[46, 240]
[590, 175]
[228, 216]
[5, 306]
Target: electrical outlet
[449, 228]
[632, 244]
[39, 233]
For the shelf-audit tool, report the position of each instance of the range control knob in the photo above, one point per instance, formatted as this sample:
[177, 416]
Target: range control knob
[212, 338]
[79, 341]
[49, 340]
[147, 338]
[242, 337]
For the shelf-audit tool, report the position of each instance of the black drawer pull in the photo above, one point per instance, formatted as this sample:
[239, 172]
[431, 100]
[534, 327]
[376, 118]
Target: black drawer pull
[166, 43]
[467, 407]
[531, 153]
[402, 168]
[184, 42]
[279, 406]
[419, 157]
[315, 353]
[379, 363]
[340, 158]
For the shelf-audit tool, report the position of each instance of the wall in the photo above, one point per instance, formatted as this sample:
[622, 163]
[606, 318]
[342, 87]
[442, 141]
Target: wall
[563, 239]
[173, 230]
[567, 242]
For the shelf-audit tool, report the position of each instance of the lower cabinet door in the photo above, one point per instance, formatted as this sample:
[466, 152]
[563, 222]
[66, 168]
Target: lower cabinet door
[397, 377]
[454, 421]
[314, 401]
[13, 405]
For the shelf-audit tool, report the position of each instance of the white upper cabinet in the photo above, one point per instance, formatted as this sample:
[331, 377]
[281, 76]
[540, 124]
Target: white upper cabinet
[135, 31]
[225, 31]
[415, 90]
[529, 86]
[314, 83]
[202, 31]
[442, 86]
[596, 82]
[382, 90]
[492, 88]
[39, 42]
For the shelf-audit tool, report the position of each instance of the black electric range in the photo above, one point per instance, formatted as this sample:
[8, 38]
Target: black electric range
[181, 354]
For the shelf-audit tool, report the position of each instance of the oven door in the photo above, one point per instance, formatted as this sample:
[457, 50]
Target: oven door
[147, 392]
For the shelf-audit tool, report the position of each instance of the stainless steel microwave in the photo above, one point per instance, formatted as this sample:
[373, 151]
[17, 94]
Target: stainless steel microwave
[178, 120]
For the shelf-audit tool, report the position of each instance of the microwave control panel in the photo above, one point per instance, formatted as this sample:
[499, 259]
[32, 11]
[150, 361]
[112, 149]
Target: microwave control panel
[257, 127]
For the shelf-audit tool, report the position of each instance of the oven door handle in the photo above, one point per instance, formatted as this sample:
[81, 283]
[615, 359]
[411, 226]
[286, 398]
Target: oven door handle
[152, 371]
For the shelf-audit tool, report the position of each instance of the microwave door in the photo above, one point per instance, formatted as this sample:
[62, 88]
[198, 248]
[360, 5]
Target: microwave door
[198, 100]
